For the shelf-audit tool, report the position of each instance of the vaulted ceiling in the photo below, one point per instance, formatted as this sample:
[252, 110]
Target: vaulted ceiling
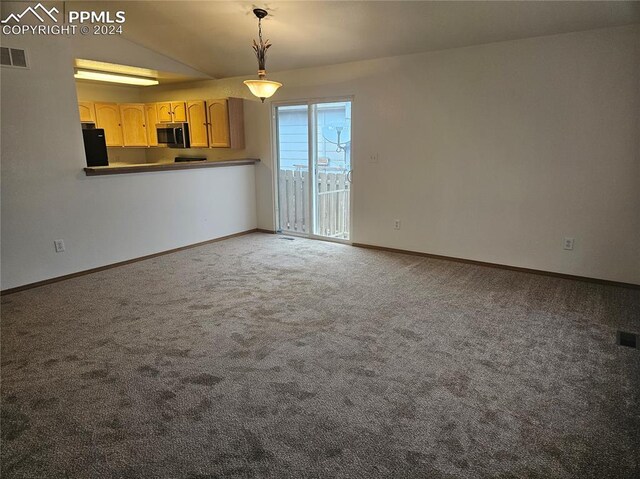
[215, 37]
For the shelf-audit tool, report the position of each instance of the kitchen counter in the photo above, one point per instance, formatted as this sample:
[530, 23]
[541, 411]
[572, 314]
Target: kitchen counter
[123, 168]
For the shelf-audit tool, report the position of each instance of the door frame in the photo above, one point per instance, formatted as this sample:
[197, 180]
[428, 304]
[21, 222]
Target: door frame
[312, 147]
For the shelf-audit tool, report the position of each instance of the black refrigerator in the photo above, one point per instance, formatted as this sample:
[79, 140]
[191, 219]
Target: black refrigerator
[95, 147]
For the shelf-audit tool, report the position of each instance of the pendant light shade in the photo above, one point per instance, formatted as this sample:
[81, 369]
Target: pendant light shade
[261, 88]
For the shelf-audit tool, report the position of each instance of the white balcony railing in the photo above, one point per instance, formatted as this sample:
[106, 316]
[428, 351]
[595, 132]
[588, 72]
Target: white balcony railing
[332, 202]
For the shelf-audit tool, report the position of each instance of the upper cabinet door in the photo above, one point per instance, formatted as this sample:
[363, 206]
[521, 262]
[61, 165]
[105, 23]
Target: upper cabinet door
[218, 123]
[172, 112]
[226, 123]
[164, 112]
[108, 118]
[179, 112]
[87, 112]
[152, 119]
[197, 118]
[134, 127]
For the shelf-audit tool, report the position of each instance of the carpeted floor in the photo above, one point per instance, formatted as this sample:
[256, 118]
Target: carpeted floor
[264, 357]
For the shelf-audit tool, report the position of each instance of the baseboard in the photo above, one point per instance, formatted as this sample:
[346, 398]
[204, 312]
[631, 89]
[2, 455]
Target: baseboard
[122, 263]
[500, 266]
[358, 245]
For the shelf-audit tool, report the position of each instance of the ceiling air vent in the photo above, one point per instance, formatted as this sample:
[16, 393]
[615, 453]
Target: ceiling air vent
[13, 57]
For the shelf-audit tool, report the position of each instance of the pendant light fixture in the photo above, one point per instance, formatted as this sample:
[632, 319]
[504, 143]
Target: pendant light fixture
[261, 88]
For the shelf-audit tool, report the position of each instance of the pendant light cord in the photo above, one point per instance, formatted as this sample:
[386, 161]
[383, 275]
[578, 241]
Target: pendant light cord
[261, 50]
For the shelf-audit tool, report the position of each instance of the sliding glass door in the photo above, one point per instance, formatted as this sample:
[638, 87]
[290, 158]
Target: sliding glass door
[313, 143]
[292, 126]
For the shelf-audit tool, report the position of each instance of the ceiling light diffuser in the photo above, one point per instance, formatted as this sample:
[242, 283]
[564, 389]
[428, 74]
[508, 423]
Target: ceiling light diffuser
[114, 78]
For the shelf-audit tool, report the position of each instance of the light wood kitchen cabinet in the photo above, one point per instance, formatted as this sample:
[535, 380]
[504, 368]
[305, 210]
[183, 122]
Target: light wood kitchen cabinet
[172, 112]
[179, 111]
[134, 124]
[217, 123]
[87, 112]
[108, 118]
[197, 118]
[164, 112]
[151, 116]
[226, 123]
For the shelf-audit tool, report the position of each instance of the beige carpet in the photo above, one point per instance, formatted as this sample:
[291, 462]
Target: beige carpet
[263, 357]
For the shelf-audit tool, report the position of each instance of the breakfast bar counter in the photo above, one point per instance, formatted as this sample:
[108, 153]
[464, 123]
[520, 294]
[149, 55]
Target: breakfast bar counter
[122, 168]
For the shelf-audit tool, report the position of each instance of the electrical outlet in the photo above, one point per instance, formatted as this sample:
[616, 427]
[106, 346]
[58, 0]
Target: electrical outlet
[59, 246]
[568, 243]
[396, 224]
[374, 158]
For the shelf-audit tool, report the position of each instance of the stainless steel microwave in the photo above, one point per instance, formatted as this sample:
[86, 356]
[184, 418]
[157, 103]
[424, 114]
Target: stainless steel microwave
[174, 135]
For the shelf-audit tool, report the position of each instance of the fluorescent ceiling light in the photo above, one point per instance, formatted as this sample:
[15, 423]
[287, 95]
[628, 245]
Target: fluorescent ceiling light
[114, 78]
[93, 65]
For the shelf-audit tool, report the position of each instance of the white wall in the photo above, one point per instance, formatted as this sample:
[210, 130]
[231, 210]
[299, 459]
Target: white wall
[107, 92]
[493, 152]
[46, 196]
